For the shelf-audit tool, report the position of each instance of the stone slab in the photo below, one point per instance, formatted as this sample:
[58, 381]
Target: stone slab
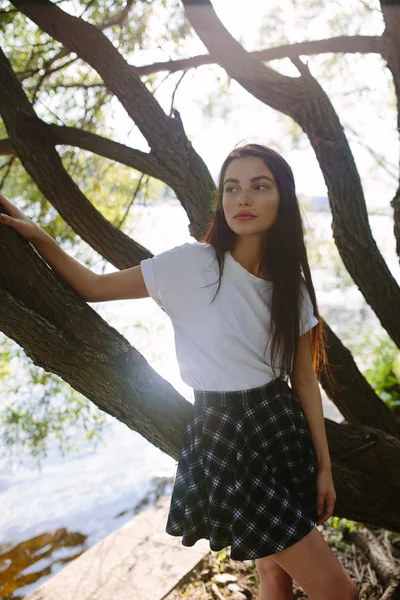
[139, 561]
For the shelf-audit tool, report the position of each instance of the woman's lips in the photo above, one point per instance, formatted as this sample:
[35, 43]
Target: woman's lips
[244, 217]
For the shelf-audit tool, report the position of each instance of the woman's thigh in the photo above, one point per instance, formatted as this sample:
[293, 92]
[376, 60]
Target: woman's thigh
[314, 566]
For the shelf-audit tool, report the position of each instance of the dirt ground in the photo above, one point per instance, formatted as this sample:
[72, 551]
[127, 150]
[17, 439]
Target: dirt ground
[218, 577]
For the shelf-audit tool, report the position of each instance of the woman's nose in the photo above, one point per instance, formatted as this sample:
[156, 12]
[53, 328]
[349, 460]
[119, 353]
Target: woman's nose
[242, 197]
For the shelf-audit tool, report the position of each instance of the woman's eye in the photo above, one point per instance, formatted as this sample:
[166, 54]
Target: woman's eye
[261, 186]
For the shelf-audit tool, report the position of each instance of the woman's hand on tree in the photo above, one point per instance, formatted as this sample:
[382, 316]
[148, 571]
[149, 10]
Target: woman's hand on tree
[20, 222]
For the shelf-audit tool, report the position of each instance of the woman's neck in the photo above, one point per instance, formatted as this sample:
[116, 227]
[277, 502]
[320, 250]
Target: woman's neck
[251, 259]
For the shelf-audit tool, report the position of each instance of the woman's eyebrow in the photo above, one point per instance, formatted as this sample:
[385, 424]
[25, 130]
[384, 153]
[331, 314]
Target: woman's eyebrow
[253, 179]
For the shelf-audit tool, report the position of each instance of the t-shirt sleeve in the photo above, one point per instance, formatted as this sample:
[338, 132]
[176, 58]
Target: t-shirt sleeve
[307, 317]
[170, 277]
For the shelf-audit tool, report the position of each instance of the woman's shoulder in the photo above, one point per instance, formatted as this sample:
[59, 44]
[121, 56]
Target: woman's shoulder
[195, 249]
[187, 255]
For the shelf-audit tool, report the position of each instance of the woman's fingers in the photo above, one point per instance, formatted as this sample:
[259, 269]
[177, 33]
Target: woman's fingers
[6, 219]
[8, 206]
[13, 217]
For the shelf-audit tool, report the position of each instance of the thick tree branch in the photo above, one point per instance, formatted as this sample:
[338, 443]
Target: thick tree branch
[365, 464]
[306, 102]
[391, 53]
[395, 203]
[363, 44]
[71, 136]
[141, 161]
[118, 19]
[269, 86]
[64, 335]
[356, 399]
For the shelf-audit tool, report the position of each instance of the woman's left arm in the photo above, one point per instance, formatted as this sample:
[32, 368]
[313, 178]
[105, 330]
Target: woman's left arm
[304, 383]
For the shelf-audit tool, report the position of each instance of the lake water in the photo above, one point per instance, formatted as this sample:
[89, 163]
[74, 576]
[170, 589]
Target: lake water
[49, 516]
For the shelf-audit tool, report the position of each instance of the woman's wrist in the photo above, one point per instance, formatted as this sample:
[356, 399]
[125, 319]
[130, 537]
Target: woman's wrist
[324, 465]
[39, 236]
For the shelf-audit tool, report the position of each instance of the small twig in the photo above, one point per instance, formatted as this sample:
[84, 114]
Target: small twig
[132, 200]
[174, 92]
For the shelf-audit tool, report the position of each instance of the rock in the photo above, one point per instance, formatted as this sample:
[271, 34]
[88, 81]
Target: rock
[224, 578]
[234, 587]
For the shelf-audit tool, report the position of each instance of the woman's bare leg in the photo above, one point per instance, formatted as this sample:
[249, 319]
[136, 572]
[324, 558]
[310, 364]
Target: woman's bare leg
[314, 566]
[275, 583]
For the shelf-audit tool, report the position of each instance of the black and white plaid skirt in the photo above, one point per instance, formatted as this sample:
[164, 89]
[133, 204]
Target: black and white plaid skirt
[246, 474]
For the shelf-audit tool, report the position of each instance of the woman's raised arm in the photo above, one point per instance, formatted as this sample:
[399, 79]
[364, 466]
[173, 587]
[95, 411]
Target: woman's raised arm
[124, 284]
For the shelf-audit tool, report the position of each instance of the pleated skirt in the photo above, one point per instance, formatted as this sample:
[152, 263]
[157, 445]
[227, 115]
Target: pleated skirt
[246, 474]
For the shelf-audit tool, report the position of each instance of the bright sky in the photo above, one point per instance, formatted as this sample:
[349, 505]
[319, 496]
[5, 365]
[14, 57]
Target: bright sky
[359, 87]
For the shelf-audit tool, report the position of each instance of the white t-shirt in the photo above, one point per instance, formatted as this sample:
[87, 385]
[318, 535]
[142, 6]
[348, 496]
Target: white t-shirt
[219, 345]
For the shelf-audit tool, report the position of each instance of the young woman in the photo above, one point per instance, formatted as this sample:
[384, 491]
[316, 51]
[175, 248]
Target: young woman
[254, 470]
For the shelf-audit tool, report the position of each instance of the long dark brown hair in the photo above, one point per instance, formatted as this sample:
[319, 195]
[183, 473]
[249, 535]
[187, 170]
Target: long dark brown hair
[284, 258]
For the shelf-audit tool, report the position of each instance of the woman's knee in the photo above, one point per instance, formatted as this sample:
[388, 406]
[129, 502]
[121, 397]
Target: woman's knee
[269, 570]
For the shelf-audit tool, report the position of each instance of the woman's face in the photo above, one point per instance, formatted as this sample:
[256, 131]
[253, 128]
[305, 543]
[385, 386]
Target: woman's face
[249, 185]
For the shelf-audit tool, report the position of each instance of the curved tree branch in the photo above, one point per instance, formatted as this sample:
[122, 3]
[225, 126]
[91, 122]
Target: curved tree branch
[356, 400]
[61, 333]
[363, 44]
